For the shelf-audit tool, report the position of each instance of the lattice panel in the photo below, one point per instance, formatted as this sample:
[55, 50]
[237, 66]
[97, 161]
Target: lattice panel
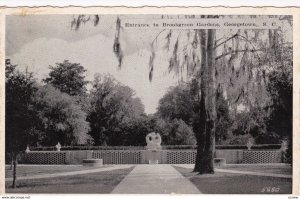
[181, 157]
[45, 157]
[118, 157]
[260, 157]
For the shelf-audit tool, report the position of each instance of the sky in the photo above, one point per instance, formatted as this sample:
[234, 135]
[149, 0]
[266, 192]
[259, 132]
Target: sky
[36, 42]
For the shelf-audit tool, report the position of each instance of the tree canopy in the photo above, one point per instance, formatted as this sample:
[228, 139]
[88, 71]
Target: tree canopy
[111, 105]
[61, 118]
[68, 78]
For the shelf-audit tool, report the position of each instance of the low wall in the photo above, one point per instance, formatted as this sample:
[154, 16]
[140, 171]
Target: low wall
[231, 156]
[146, 156]
[118, 156]
[181, 156]
[46, 157]
[260, 157]
[76, 157]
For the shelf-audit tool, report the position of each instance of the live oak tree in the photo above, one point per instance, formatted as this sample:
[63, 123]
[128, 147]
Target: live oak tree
[234, 63]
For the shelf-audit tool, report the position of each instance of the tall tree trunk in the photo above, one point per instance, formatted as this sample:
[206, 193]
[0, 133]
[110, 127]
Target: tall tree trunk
[199, 125]
[14, 170]
[205, 128]
[11, 163]
[210, 104]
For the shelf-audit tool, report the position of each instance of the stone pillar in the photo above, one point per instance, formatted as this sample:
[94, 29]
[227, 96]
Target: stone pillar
[68, 157]
[164, 158]
[143, 157]
[153, 157]
[89, 154]
[240, 156]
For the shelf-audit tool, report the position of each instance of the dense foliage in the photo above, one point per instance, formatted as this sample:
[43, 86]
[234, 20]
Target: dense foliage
[181, 104]
[68, 78]
[112, 108]
[61, 118]
[19, 114]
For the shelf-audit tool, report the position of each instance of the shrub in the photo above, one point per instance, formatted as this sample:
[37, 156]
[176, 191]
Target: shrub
[238, 140]
[164, 147]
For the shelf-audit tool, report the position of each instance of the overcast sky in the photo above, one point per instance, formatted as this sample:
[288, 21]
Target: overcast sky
[39, 41]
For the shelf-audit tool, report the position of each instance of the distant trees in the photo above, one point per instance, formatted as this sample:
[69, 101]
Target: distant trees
[175, 132]
[61, 119]
[111, 107]
[224, 119]
[261, 124]
[68, 78]
[182, 104]
[177, 103]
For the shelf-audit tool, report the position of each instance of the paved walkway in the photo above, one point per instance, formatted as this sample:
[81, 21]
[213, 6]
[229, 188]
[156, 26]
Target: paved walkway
[188, 166]
[155, 179]
[70, 173]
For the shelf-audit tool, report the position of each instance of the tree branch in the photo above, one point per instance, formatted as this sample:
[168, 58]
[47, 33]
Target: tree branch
[155, 39]
[235, 35]
[238, 51]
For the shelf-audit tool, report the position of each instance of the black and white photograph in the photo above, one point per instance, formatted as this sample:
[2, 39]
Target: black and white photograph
[148, 104]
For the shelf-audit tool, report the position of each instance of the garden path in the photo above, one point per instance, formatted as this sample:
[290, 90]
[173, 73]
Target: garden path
[155, 179]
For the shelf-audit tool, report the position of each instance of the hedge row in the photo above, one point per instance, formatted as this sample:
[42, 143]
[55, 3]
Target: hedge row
[69, 148]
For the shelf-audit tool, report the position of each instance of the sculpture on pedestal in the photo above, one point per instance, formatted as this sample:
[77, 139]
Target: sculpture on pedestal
[153, 141]
[58, 146]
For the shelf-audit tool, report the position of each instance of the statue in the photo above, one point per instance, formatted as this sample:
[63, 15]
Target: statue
[58, 146]
[153, 141]
[27, 149]
[249, 144]
[284, 145]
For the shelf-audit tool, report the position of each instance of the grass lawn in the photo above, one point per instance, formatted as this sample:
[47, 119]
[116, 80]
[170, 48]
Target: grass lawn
[30, 170]
[229, 183]
[102, 182]
[277, 169]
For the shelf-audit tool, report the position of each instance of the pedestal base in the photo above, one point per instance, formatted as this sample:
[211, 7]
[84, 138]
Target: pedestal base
[153, 156]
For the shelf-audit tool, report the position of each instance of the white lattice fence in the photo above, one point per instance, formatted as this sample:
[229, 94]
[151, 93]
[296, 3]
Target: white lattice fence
[260, 157]
[45, 157]
[181, 157]
[118, 157]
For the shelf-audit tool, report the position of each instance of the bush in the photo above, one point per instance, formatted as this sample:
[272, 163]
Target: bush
[73, 148]
[288, 154]
[238, 140]
[164, 147]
